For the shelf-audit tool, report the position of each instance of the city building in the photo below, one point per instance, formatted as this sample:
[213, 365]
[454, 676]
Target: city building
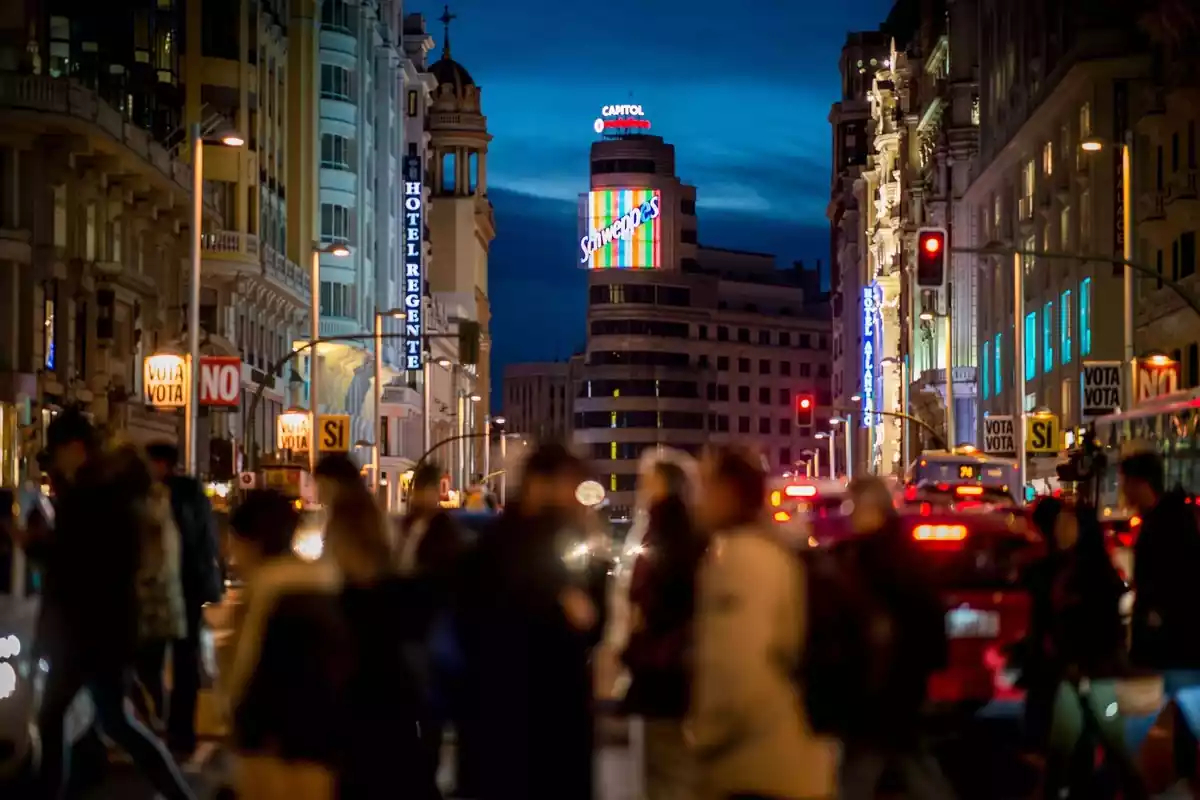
[361, 123]
[850, 121]
[461, 229]
[238, 73]
[538, 400]
[94, 210]
[1033, 186]
[686, 345]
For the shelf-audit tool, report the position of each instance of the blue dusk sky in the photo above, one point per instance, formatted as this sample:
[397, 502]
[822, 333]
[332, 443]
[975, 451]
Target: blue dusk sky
[742, 90]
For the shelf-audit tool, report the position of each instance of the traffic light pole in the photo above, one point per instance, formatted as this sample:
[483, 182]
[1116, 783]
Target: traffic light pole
[1019, 367]
[951, 439]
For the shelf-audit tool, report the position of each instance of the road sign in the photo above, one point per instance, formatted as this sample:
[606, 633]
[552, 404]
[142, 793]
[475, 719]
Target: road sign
[292, 432]
[1100, 383]
[220, 381]
[247, 480]
[165, 381]
[1041, 434]
[999, 437]
[334, 432]
[1156, 379]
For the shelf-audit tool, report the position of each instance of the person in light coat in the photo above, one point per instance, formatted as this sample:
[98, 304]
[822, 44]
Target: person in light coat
[748, 726]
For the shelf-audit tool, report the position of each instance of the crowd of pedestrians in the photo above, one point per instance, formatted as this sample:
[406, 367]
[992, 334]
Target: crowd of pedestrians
[756, 671]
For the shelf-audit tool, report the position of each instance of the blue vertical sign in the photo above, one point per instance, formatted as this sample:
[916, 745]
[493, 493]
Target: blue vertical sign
[414, 267]
[871, 297]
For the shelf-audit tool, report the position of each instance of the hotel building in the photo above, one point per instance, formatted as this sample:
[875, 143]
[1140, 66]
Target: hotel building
[686, 344]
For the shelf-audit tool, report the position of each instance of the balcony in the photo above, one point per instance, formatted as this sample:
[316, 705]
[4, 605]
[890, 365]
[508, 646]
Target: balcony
[1152, 215]
[229, 255]
[1182, 193]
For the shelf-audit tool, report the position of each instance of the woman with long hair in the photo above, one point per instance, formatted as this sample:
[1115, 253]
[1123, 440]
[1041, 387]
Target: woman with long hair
[662, 606]
[383, 747]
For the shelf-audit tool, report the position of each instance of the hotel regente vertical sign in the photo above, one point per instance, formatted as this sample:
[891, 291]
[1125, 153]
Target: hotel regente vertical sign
[414, 265]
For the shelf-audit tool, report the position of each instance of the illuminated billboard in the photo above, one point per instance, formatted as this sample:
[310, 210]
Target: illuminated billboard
[622, 229]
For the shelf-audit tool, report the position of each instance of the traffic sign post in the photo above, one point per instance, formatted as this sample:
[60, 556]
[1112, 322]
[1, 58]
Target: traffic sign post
[220, 381]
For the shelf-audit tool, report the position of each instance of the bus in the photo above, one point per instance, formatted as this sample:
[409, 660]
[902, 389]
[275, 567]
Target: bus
[967, 466]
[1168, 425]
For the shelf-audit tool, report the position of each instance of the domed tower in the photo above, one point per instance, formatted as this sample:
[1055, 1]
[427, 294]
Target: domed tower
[461, 224]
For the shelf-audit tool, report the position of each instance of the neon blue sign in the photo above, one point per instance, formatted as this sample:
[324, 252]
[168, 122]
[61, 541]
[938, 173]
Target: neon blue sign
[414, 269]
[872, 297]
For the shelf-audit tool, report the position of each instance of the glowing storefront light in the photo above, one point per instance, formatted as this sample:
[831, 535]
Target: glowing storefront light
[622, 229]
[871, 301]
[414, 267]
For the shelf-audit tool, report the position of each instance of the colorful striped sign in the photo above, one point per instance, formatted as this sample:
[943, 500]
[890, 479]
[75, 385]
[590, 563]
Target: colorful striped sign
[622, 229]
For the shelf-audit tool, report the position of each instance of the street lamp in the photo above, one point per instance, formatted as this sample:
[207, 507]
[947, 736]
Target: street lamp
[339, 250]
[1094, 145]
[500, 422]
[930, 316]
[831, 436]
[395, 313]
[197, 140]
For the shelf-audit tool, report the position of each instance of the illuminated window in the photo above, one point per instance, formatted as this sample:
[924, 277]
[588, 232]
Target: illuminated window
[984, 361]
[60, 47]
[1064, 228]
[335, 82]
[49, 348]
[1030, 262]
[335, 224]
[89, 240]
[1048, 158]
[1085, 120]
[1028, 181]
[1085, 317]
[1031, 345]
[1085, 220]
[999, 359]
[335, 151]
[1065, 310]
[1048, 337]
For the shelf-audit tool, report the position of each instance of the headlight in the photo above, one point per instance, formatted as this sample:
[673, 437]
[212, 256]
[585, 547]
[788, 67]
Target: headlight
[309, 544]
[10, 647]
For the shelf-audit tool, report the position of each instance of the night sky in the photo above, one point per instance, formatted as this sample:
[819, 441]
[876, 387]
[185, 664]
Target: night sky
[742, 90]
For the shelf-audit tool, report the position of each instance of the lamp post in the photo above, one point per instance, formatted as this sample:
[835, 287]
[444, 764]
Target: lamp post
[395, 313]
[314, 313]
[848, 421]
[499, 422]
[197, 140]
[928, 316]
[832, 437]
[1095, 145]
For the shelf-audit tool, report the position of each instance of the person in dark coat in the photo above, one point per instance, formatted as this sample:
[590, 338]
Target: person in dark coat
[88, 625]
[203, 582]
[1078, 651]
[527, 628]
[662, 598]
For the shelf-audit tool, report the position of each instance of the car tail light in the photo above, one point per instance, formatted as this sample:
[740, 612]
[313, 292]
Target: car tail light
[776, 499]
[1135, 522]
[940, 533]
[800, 491]
[969, 491]
[782, 516]
[910, 494]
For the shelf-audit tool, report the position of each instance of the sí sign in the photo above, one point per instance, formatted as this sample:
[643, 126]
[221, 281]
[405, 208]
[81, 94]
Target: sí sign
[165, 381]
[414, 267]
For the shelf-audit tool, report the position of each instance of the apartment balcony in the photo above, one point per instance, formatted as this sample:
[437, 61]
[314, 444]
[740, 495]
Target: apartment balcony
[1152, 215]
[231, 255]
[1182, 196]
[74, 121]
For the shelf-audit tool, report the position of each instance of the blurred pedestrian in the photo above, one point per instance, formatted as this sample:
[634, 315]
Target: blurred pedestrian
[663, 603]
[429, 544]
[88, 625]
[907, 635]
[749, 731]
[337, 473]
[1078, 655]
[162, 620]
[527, 628]
[383, 746]
[202, 573]
[292, 661]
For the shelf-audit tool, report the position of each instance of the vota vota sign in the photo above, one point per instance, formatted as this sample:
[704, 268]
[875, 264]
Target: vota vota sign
[622, 229]
[871, 299]
[414, 267]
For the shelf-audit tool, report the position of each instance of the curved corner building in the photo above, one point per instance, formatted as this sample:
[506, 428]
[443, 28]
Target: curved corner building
[686, 344]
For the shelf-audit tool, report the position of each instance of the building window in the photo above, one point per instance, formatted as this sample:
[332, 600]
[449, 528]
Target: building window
[1064, 228]
[1085, 120]
[743, 394]
[1187, 254]
[764, 425]
[744, 366]
[984, 362]
[1028, 182]
[335, 224]
[764, 395]
[1085, 220]
[1085, 317]
[337, 15]
[60, 47]
[1031, 345]
[744, 335]
[89, 240]
[743, 424]
[338, 300]
[1048, 158]
[335, 151]
[723, 363]
[998, 372]
[785, 339]
[335, 82]
[785, 368]
[805, 370]
[1048, 337]
[49, 348]
[785, 456]
[785, 397]
[1065, 310]
[764, 366]
[785, 427]
[722, 333]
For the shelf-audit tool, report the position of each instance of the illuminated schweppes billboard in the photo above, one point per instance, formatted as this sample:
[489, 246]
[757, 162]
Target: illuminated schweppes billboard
[622, 229]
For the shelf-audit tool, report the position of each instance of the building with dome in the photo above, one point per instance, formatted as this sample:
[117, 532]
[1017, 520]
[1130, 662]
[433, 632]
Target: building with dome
[461, 229]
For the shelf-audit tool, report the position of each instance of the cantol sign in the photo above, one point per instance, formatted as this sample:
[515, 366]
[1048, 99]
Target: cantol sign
[414, 266]
[623, 117]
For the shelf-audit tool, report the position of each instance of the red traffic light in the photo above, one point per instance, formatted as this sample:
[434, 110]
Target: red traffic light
[932, 244]
[805, 402]
[931, 258]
